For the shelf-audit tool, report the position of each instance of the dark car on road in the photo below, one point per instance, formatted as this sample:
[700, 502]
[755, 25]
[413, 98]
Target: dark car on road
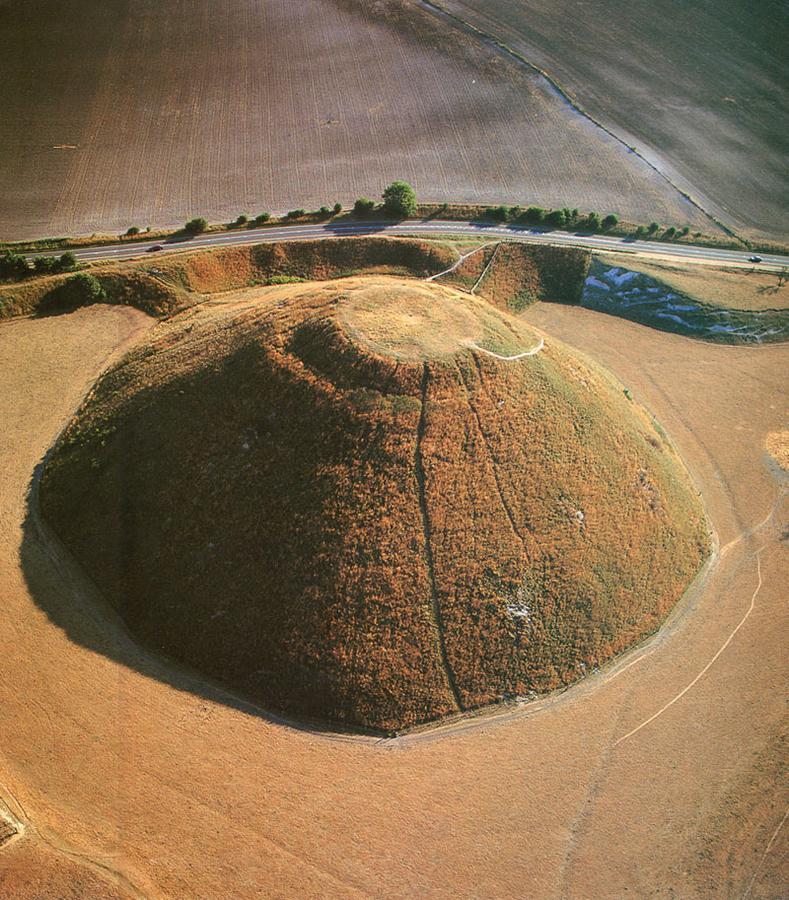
[154, 248]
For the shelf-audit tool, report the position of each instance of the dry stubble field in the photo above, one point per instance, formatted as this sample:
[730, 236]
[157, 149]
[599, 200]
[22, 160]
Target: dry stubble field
[699, 88]
[120, 763]
[142, 113]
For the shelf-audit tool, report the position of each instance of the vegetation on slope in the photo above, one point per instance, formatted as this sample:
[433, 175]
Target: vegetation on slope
[167, 285]
[327, 497]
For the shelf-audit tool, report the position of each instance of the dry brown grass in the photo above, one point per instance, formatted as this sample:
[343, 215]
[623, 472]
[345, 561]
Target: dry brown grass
[326, 498]
[113, 749]
[732, 288]
[175, 110]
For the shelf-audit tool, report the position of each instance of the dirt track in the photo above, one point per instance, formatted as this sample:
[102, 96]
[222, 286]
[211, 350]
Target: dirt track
[115, 758]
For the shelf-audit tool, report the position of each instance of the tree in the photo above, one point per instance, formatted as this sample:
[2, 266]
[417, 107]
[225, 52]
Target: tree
[363, 206]
[535, 215]
[670, 232]
[400, 199]
[43, 265]
[497, 213]
[67, 262]
[13, 266]
[295, 213]
[130, 232]
[79, 290]
[685, 230]
[337, 209]
[593, 222]
[196, 225]
[653, 227]
[556, 218]
[262, 218]
[640, 231]
[610, 220]
[242, 219]
[324, 212]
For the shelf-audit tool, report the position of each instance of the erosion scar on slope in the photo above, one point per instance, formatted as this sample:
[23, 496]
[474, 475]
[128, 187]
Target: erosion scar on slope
[492, 459]
[435, 607]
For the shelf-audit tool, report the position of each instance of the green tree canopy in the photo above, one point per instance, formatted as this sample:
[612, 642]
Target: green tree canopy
[400, 199]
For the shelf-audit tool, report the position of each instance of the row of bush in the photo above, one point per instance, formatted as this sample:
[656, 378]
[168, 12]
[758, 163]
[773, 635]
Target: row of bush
[399, 201]
[14, 267]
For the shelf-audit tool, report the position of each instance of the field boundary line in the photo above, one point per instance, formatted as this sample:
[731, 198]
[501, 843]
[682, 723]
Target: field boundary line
[437, 9]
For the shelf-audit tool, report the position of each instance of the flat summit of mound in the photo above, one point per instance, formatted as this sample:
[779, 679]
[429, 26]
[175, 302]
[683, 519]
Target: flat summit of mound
[375, 502]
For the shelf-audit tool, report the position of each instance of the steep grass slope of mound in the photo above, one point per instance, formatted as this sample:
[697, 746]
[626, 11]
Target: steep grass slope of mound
[336, 499]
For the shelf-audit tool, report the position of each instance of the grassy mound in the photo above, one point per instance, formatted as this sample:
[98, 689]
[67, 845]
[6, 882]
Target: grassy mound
[336, 499]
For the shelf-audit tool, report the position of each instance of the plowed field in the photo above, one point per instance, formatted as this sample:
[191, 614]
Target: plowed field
[144, 113]
[699, 88]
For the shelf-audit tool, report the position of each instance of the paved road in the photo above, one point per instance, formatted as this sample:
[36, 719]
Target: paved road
[771, 262]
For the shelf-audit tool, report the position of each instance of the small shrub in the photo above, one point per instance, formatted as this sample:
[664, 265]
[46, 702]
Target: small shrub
[284, 279]
[296, 214]
[610, 220]
[130, 232]
[262, 218]
[640, 231]
[363, 206]
[196, 225]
